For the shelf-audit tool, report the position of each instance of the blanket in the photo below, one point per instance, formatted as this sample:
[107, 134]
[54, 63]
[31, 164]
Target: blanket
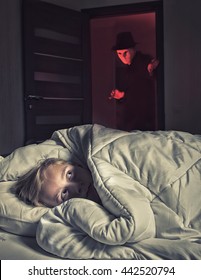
[150, 187]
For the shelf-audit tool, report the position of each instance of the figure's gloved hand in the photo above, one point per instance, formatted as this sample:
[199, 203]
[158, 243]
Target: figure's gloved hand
[152, 65]
[116, 94]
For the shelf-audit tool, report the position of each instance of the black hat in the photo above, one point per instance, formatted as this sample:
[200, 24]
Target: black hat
[124, 40]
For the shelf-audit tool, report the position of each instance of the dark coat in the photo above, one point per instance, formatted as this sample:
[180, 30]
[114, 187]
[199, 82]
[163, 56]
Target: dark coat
[137, 109]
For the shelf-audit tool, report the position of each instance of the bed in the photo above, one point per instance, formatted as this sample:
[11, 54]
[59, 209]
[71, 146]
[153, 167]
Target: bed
[150, 188]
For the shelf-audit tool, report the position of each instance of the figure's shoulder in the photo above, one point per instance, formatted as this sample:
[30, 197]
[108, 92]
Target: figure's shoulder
[143, 57]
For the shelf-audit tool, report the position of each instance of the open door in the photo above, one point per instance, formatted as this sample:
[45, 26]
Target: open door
[53, 69]
[145, 22]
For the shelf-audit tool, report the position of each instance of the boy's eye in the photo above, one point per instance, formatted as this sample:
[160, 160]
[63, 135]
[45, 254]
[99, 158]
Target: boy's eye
[69, 174]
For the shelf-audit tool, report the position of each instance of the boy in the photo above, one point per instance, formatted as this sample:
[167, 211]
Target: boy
[55, 181]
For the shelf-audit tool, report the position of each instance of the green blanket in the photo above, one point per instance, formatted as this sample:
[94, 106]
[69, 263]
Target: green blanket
[150, 187]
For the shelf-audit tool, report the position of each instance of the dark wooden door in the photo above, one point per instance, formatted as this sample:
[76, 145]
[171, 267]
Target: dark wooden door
[53, 69]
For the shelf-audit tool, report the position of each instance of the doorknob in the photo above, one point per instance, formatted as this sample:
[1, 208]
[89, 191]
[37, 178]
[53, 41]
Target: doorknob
[34, 97]
[38, 97]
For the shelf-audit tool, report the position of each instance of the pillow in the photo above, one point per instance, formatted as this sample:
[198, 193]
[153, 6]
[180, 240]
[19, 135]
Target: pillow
[16, 216]
[24, 158]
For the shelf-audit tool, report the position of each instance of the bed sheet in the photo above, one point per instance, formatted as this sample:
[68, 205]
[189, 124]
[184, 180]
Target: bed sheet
[15, 247]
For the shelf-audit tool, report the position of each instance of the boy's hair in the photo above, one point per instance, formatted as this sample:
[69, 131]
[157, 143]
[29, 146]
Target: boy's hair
[28, 186]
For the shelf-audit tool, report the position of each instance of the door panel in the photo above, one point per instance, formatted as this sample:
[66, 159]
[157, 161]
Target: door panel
[49, 46]
[60, 88]
[53, 66]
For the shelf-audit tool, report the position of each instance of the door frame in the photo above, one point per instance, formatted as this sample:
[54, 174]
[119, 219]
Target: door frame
[121, 10]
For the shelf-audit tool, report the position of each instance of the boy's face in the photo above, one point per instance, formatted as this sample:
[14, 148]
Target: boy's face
[64, 181]
[126, 55]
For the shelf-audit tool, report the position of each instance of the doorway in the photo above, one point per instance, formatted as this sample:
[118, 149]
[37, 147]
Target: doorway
[144, 21]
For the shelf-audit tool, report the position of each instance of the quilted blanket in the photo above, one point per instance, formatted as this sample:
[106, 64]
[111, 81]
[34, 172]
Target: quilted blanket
[149, 184]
